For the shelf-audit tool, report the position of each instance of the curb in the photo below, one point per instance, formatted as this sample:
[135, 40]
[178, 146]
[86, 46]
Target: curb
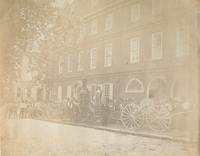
[122, 131]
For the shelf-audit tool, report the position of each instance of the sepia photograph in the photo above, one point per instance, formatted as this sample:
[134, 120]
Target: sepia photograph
[99, 77]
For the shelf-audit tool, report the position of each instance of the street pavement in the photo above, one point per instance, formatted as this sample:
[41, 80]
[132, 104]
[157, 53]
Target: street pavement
[39, 138]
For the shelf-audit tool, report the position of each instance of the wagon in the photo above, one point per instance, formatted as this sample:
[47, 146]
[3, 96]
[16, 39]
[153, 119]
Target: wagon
[154, 115]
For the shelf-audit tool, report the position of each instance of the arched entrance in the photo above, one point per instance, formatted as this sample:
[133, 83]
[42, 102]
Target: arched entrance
[180, 90]
[157, 89]
[134, 86]
[77, 89]
[134, 90]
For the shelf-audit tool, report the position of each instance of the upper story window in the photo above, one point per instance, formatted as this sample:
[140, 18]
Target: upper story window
[109, 21]
[80, 61]
[94, 3]
[157, 52]
[93, 56]
[182, 41]
[156, 7]
[69, 63]
[108, 55]
[134, 50]
[60, 66]
[93, 28]
[135, 12]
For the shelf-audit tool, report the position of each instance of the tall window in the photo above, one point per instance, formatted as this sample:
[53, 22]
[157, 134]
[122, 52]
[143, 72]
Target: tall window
[69, 63]
[135, 12]
[80, 61]
[59, 95]
[108, 21]
[134, 50]
[157, 52]
[108, 91]
[60, 66]
[182, 41]
[93, 29]
[108, 55]
[93, 54]
[156, 7]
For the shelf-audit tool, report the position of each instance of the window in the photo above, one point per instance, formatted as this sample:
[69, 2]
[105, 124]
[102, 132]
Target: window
[69, 63]
[108, 90]
[93, 27]
[59, 96]
[134, 86]
[156, 7]
[157, 46]
[80, 61]
[60, 66]
[93, 58]
[182, 43]
[108, 22]
[108, 55]
[135, 12]
[134, 50]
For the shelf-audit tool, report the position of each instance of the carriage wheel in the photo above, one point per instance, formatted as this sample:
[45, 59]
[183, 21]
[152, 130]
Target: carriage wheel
[132, 116]
[158, 121]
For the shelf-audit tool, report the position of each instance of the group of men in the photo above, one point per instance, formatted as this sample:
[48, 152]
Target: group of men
[20, 109]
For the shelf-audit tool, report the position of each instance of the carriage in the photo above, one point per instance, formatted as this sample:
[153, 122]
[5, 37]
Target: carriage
[156, 115]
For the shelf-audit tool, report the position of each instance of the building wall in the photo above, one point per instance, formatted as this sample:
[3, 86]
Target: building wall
[167, 21]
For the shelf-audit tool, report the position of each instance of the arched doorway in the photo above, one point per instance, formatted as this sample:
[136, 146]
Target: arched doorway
[179, 90]
[134, 90]
[134, 86]
[157, 89]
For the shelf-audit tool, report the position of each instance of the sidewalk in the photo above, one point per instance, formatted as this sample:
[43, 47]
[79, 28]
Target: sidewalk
[121, 130]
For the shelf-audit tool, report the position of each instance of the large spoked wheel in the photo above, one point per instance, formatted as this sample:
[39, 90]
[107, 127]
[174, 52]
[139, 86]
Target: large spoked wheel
[132, 116]
[158, 120]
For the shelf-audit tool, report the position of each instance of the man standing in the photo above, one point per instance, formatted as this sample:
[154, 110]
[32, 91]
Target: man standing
[84, 100]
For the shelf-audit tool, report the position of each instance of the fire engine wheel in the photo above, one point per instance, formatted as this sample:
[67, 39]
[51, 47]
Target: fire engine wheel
[132, 117]
[158, 121]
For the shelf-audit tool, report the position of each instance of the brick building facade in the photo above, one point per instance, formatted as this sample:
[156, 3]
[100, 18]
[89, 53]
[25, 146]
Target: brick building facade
[130, 49]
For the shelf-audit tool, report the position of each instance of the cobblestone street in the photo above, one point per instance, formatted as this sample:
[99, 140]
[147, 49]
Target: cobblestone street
[37, 138]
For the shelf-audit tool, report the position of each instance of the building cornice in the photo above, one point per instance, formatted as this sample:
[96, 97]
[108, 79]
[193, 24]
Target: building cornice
[116, 5]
